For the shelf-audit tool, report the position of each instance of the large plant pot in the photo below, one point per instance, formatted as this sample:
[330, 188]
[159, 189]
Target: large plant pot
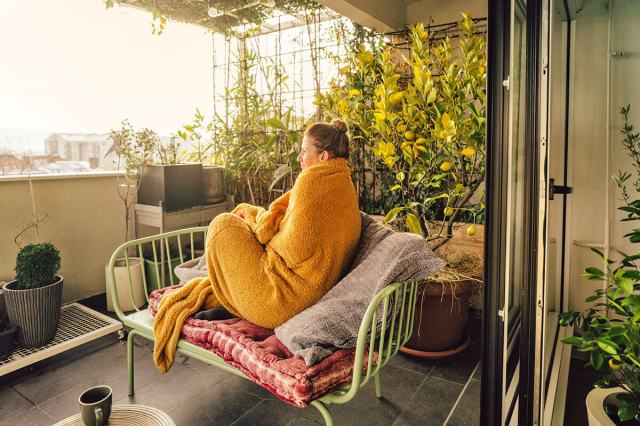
[130, 297]
[596, 400]
[212, 184]
[440, 319]
[177, 186]
[7, 337]
[35, 311]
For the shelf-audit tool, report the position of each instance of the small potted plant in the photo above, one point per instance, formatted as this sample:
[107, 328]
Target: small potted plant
[34, 298]
[611, 325]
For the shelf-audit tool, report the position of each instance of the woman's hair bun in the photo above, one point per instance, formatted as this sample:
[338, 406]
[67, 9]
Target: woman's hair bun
[339, 125]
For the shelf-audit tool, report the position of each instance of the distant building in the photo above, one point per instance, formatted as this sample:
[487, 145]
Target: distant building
[86, 147]
[11, 165]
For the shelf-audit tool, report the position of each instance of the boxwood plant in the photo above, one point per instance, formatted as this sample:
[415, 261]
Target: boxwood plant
[37, 265]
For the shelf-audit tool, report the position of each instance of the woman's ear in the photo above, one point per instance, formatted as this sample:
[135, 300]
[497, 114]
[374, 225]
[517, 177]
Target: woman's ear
[324, 156]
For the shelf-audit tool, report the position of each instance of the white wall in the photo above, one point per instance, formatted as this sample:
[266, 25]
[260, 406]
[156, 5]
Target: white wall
[85, 220]
[438, 11]
[588, 127]
[389, 15]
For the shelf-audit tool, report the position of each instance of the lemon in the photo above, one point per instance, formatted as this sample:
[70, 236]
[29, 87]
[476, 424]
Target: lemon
[446, 166]
[468, 152]
[344, 70]
[471, 230]
[459, 187]
[421, 140]
[409, 135]
[448, 211]
[614, 365]
[355, 92]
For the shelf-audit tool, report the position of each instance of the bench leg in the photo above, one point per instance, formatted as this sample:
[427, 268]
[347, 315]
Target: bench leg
[130, 360]
[376, 378]
[326, 414]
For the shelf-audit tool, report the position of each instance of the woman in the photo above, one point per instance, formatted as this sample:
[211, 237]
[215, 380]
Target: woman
[268, 265]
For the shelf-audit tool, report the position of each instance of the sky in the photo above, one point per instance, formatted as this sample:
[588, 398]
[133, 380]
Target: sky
[74, 66]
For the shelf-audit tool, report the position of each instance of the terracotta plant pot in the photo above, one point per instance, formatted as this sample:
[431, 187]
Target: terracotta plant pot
[440, 319]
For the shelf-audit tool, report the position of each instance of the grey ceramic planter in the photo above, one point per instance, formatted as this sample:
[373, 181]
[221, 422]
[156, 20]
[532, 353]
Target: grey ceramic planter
[35, 311]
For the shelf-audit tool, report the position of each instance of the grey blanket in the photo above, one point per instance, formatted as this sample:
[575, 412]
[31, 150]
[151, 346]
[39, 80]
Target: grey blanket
[195, 268]
[384, 257]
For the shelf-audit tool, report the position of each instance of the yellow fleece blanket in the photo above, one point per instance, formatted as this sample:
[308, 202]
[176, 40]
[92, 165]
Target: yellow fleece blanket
[266, 266]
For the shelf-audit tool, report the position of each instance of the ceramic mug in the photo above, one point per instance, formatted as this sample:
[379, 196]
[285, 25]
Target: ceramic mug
[95, 405]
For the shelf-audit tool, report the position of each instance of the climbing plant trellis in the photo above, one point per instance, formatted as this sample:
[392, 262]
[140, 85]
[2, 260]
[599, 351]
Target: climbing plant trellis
[266, 76]
[264, 87]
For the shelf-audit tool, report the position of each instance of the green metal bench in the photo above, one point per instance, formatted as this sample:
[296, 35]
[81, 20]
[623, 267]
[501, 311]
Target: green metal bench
[393, 333]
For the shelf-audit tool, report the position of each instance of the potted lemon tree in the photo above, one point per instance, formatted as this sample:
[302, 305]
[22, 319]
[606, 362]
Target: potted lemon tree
[422, 115]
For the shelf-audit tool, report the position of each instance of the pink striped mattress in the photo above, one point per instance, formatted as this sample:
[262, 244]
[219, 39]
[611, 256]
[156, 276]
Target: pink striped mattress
[260, 355]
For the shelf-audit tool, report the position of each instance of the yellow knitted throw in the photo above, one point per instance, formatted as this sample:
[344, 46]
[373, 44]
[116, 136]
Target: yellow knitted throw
[266, 266]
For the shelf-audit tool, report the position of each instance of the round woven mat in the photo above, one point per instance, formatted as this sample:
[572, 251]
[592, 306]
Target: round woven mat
[130, 415]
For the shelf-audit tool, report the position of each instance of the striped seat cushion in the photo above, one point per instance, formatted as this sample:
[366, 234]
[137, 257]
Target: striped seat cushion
[260, 355]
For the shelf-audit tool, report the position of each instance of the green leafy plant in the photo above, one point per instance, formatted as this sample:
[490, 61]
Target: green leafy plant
[611, 325]
[134, 150]
[256, 141]
[37, 265]
[424, 117]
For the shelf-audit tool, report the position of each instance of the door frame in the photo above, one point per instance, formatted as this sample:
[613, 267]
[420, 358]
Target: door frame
[499, 44]
[498, 54]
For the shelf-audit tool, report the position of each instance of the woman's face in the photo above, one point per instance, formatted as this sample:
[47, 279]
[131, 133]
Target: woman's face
[309, 154]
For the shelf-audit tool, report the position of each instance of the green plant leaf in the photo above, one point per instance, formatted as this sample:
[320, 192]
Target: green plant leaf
[276, 124]
[596, 359]
[391, 215]
[573, 340]
[413, 223]
[281, 172]
[271, 142]
[607, 345]
[595, 271]
[627, 410]
[626, 284]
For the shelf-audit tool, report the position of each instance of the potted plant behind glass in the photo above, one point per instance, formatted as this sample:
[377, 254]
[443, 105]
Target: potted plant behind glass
[423, 117]
[34, 298]
[611, 325]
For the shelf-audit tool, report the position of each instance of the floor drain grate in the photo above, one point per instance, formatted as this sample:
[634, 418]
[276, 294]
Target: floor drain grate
[78, 325]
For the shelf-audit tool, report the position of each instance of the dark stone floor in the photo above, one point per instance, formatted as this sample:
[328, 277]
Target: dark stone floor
[414, 392]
